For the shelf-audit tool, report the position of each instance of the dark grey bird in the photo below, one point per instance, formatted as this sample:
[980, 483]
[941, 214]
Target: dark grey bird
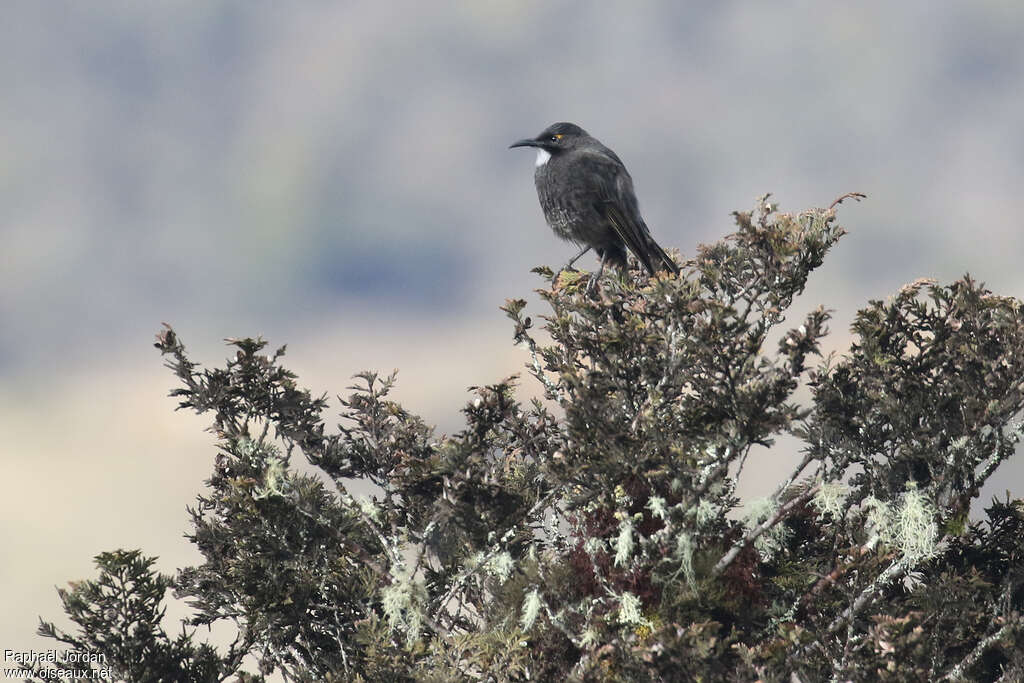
[587, 197]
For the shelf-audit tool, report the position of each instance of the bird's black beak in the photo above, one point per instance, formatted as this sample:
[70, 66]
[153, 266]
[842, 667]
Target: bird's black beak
[525, 143]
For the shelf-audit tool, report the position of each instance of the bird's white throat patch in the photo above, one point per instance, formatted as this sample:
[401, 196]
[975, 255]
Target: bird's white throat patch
[542, 156]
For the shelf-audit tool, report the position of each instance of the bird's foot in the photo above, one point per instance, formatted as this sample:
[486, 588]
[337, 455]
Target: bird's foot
[565, 269]
[576, 258]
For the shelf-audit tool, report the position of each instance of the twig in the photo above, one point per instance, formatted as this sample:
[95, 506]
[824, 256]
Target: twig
[764, 526]
[368, 561]
[849, 195]
[808, 458]
[828, 579]
[538, 371]
[497, 547]
[893, 572]
[713, 477]
[957, 672]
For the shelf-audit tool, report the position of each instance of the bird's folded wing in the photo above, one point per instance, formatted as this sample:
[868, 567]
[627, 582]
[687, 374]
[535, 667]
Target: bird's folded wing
[629, 231]
[617, 203]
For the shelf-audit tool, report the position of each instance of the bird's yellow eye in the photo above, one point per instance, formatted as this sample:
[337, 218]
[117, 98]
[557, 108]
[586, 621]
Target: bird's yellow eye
[558, 136]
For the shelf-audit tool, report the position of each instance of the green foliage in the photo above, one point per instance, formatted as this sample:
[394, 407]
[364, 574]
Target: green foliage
[118, 617]
[592, 535]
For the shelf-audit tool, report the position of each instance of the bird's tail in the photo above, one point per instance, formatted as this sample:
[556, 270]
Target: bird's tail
[661, 258]
[638, 238]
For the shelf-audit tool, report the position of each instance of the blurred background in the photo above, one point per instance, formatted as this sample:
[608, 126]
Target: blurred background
[335, 176]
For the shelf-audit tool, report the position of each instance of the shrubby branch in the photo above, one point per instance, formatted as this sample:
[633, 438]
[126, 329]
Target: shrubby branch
[592, 535]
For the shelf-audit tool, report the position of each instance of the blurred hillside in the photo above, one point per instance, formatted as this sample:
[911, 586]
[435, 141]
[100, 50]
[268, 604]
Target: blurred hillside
[336, 177]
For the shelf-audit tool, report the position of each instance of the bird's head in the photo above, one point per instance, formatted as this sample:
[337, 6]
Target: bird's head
[556, 138]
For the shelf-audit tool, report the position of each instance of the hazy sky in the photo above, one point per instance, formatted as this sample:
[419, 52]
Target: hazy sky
[336, 177]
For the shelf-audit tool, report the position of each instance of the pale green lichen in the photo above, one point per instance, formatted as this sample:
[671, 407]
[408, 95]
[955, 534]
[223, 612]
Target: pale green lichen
[624, 543]
[915, 531]
[368, 508]
[500, 566]
[877, 520]
[531, 609]
[629, 609]
[274, 479]
[684, 553]
[771, 541]
[594, 545]
[706, 512]
[402, 602]
[590, 638]
[908, 526]
[656, 504]
[830, 499]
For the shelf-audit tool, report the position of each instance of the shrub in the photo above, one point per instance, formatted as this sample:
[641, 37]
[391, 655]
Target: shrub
[593, 535]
